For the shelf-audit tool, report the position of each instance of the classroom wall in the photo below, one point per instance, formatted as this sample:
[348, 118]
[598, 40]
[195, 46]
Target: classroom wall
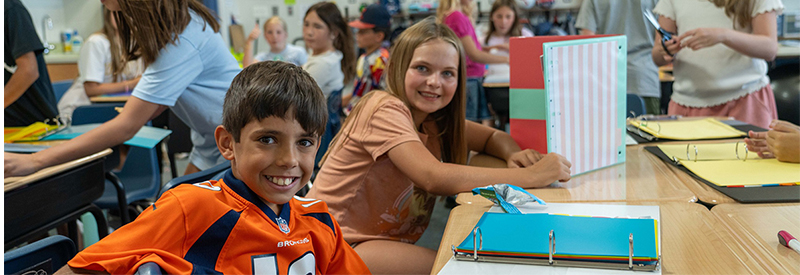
[85, 16]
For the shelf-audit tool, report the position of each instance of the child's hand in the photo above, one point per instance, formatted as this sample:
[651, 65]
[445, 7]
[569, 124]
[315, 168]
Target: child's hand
[18, 165]
[503, 46]
[254, 34]
[673, 46]
[523, 158]
[703, 37]
[757, 142]
[783, 141]
[552, 167]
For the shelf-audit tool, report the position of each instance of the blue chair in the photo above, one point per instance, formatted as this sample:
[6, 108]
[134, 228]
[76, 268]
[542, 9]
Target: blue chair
[331, 128]
[60, 88]
[636, 105]
[213, 173]
[95, 113]
[58, 250]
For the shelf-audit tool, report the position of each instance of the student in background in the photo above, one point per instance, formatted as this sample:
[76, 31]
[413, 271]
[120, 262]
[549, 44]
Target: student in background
[276, 34]
[101, 67]
[249, 222]
[782, 142]
[401, 148]
[373, 28]
[719, 57]
[625, 17]
[27, 94]
[189, 68]
[456, 15]
[503, 24]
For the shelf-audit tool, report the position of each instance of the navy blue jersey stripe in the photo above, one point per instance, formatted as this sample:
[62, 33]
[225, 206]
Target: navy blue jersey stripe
[205, 251]
[241, 189]
[324, 218]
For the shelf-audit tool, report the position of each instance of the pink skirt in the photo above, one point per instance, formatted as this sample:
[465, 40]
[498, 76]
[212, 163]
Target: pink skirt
[757, 108]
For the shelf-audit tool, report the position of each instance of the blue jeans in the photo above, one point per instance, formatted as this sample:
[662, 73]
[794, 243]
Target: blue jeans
[477, 108]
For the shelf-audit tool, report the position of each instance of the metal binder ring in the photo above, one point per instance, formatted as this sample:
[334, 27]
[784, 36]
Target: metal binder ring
[630, 252]
[552, 247]
[745, 152]
[475, 243]
[687, 152]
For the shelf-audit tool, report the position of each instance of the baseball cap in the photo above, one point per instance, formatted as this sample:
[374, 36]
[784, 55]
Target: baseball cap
[375, 15]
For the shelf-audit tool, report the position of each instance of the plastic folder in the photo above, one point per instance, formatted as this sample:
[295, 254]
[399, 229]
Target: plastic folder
[147, 137]
[564, 240]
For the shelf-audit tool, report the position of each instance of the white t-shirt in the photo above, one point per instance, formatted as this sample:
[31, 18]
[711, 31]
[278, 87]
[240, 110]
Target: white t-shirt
[326, 69]
[291, 53]
[717, 74]
[94, 64]
[499, 73]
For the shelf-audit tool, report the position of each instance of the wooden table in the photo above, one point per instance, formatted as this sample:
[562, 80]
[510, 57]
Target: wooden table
[43, 200]
[109, 99]
[692, 244]
[643, 177]
[756, 228]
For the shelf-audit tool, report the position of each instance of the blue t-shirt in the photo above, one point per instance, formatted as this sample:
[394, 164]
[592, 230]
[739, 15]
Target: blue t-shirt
[192, 77]
[291, 53]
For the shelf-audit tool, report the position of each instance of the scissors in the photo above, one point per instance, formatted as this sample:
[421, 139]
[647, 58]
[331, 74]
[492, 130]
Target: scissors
[665, 35]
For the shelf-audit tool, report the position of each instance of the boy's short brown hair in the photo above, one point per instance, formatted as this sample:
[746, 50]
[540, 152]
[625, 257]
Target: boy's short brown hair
[274, 88]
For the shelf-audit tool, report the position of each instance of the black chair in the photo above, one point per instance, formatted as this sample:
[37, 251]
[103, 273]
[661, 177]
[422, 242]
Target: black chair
[45, 256]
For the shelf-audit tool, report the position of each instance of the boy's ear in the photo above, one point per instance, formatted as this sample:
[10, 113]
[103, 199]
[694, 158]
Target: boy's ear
[224, 142]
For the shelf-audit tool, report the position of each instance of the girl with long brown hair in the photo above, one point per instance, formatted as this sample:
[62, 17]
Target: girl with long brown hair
[399, 149]
[189, 69]
[101, 68]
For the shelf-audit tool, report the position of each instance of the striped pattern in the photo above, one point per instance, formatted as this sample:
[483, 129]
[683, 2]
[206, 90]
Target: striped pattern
[581, 84]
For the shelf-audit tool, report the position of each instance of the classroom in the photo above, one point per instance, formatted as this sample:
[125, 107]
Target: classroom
[402, 137]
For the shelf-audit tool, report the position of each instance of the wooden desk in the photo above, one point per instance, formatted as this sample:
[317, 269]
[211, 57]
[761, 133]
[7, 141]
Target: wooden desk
[109, 99]
[691, 242]
[643, 177]
[756, 227]
[495, 85]
[41, 201]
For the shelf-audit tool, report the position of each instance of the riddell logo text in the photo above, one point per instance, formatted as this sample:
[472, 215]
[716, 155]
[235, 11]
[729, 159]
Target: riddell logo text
[291, 243]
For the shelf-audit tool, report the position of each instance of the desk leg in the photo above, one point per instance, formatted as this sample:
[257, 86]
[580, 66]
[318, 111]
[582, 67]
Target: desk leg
[122, 200]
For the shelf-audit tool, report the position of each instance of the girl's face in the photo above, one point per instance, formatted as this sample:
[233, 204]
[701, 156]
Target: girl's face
[503, 19]
[112, 5]
[432, 77]
[465, 3]
[316, 34]
[275, 35]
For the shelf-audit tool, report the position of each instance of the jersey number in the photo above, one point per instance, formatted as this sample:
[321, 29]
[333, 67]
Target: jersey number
[268, 265]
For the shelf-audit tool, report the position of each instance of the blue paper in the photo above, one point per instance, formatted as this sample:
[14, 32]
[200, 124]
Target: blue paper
[147, 137]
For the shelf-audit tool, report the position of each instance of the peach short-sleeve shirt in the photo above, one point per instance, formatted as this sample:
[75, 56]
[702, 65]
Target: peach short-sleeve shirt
[367, 194]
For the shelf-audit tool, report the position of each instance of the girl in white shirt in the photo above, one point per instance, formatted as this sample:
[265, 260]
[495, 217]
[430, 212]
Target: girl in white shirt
[503, 25]
[100, 57]
[719, 54]
[332, 62]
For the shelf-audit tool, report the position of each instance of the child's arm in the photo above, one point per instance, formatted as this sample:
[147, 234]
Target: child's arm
[114, 132]
[762, 43]
[480, 56]
[435, 177]
[660, 56]
[491, 141]
[27, 72]
[248, 46]
[95, 88]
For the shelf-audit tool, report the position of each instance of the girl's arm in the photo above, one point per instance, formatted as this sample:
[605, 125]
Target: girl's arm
[27, 73]
[114, 132]
[248, 47]
[480, 56]
[94, 88]
[660, 56]
[762, 43]
[435, 177]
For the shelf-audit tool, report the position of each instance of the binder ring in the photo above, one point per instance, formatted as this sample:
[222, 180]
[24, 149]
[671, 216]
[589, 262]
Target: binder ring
[552, 247]
[475, 243]
[630, 252]
[687, 152]
[745, 152]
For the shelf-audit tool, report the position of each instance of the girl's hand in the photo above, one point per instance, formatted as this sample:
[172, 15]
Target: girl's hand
[703, 37]
[757, 142]
[503, 46]
[783, 141]
[673, 46]
[523, 158]
[552, 167]
[15, 165]
[254, 34]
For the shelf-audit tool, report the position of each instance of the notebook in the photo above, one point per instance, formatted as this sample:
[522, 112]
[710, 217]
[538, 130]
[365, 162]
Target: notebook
[146, 137]
[707, 128]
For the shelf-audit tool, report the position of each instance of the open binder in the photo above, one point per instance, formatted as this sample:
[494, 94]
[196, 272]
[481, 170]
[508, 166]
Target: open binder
[644, 129]
[563, 240]
[33, 132]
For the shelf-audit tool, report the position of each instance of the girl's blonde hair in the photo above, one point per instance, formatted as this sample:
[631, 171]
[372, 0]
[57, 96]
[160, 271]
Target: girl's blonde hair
[276, 19]
[516, 29]
[117, 61]
[450, 120]
[147, 26]
[448, 6]
[738, 10]
[343, 42]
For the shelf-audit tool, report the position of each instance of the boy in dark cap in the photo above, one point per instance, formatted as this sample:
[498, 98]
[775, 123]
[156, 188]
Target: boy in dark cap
[373, 29]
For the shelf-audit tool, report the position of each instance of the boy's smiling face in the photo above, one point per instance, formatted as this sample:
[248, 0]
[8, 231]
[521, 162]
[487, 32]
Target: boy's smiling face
[274, 157]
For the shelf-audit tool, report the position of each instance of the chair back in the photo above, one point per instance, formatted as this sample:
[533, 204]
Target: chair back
[635, 105]
[213, 173]
[95, 113]
[332, 127]
[60, 88]
[45, 256]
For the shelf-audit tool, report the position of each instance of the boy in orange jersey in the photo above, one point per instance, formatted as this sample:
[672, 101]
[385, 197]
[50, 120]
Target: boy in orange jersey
[248, 222]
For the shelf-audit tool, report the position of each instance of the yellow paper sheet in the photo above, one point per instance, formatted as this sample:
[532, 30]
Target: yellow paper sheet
[707, 128]
[750, 172]
[704, 152]
[30, 133]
